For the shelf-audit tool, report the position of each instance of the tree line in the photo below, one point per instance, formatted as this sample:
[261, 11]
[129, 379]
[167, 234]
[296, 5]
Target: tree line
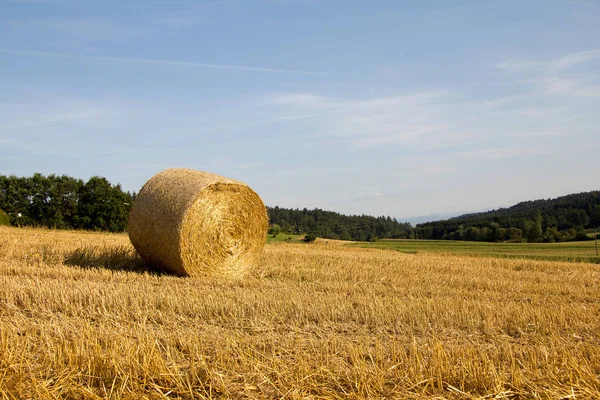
[332, 225]
[553, 220]
[63, 202]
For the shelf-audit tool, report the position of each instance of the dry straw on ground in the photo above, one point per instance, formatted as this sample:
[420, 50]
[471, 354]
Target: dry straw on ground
[197, 223]
[313, 322]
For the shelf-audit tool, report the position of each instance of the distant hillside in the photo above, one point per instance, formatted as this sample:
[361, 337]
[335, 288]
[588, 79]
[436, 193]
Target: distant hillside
[332, 225]
[560, 219]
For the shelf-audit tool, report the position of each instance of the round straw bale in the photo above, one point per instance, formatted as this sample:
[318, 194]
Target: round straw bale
[196, 223]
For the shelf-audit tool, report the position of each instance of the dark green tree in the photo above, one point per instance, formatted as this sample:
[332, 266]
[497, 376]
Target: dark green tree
[102, 206]
[534, 233]
[514, 235]
[595, 216]
[552, 235]
[64, 202]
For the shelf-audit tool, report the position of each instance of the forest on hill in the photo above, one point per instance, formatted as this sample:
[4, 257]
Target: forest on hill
[553, 220]
[333, 225]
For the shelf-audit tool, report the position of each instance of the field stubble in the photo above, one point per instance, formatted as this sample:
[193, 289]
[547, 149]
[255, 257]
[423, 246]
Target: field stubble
[313, 321]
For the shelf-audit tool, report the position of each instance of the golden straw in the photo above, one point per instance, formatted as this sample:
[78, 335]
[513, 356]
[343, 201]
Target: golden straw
[196, 223]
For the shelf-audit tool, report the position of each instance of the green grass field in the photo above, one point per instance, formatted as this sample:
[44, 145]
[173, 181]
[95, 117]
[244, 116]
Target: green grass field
[283, 237]
[567, 251]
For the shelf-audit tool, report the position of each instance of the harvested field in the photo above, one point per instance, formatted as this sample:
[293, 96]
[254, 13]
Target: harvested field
[82, 317]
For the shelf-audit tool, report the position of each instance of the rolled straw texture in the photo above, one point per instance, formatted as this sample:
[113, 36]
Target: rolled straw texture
[195, 223]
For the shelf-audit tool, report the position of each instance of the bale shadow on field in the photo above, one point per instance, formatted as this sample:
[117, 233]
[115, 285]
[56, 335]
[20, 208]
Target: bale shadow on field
[114, 258]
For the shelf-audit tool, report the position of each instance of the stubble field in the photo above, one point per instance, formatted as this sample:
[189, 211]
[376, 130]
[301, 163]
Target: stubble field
[80, 318]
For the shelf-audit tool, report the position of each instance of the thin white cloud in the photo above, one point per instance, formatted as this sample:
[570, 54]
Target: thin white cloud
[440, 123]
[559, 76]
[517, 65]
[577, 85]
[285, 118]
[365, 123]
[570, 60]
[562, 63]
[53, 111]
[156, 61]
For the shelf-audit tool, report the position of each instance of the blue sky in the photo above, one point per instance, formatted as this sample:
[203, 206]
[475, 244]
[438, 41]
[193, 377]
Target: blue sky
[376, 107]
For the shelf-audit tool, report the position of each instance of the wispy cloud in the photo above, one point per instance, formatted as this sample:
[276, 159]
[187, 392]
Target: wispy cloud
[559, 75]
[156, 61]
[575, 85]
[562, 63]
[570, 60]
[55, 111]
[436, 124]
[42, 121]
[518, 65]
[364, 123]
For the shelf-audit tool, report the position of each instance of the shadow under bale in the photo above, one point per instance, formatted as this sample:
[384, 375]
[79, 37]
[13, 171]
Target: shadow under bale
[115, 258]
